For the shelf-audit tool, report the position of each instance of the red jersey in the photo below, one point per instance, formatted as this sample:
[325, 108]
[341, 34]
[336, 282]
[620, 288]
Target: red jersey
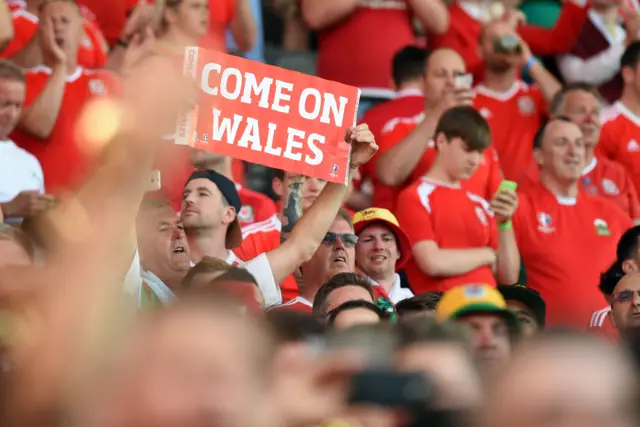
[466, 26]
[484, 182]
[454, 219]
[263, 237]
[92, 52]
[620, 139]
[565, 244]
[256, 207]
[298, 304]
[604, 178]
[409, 103]
[601, 324]
[370, 67]
[63, 160]
[514, 118]
[111, 15]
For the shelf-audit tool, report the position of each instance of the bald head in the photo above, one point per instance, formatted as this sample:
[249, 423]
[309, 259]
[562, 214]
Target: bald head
[565, 380]
[625, 305]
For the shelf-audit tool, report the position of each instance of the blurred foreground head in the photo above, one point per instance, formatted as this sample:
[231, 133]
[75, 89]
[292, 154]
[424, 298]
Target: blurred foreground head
[564, 379]
[198, 362]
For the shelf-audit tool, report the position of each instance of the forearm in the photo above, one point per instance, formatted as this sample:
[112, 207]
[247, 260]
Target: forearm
[291, 209]
[243, 26]
[6, 25]
[40, 117]
[596, 70]
[455, 262]
[319, 14]
[394, 166]
[433, 14]
[548, 84]
[508, 268]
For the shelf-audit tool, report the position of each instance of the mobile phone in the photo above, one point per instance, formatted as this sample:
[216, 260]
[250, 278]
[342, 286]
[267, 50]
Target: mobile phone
[508, 185]
[463, 81]
[391, 389]
[155, 182]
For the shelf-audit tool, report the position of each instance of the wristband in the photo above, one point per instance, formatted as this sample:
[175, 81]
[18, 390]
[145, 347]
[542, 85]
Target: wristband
[530, 62]
[506, 226]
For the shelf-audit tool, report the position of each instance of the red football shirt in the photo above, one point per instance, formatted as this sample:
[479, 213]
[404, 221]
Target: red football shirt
[600, 324]
[63, 160]
[565, 244]
[298, 304]
[263, 237]
[514, 117]
[92, 52]
[484, 182]
[620, 139]
[407, 104]
[355, 51]
[453, 218]
[111, 15]
[466, 26]
[602, 177]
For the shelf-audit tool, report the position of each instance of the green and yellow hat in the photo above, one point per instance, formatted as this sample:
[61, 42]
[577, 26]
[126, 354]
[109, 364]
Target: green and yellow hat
[476, 298]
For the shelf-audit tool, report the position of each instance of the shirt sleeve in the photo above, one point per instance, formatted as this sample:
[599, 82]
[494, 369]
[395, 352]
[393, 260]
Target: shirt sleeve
[632, 197]
[23, 30]
[596, 70]
[495, 174]
[606, 146]
[260, 269]
[414, 215]
[392, 133]
[133, 278]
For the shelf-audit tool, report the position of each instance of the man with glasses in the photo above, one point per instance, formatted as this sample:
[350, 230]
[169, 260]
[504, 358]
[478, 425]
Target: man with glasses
[625, 303]
[335, 255]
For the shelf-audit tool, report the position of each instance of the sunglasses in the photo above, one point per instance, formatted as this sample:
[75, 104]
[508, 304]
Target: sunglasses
[625, 296]
[349, 240]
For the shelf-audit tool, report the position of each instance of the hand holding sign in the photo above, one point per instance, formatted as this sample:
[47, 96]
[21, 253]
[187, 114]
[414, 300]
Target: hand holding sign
[363, 145]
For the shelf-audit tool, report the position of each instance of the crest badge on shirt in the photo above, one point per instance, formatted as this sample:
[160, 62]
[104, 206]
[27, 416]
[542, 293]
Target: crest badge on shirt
[246, 213]
[602, 228]
[97, 87]
[544, 223]
[481, 215]
[610, 187]
[526, 105]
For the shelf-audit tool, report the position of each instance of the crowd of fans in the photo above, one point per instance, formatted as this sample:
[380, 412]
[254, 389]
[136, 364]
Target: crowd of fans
[481, 266]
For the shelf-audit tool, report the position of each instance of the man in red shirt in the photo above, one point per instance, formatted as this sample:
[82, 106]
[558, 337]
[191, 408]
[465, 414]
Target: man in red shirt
[469, 16]
[408, 80]
[56, 94]
[566, 237]
[23, 48]
[357, 39]
[407, 150]
[513, 109]
[458, 237]
[620, 135]
[582, 103]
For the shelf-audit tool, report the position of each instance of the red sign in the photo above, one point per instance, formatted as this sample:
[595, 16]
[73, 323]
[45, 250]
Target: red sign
[268, 115]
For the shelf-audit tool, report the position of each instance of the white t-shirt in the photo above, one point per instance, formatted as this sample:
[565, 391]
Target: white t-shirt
[19, 171]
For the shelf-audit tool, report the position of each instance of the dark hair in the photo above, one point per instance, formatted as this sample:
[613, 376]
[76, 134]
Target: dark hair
[558, 100]
[418, 303]
[466, 123]
[425, 330]
[206, 265]
[292, 326]
[351, 305]
[10, 71]
[627, 248]
[338, 281]
[408, 64]
[539, 136]
[278, 173]
[631, 55]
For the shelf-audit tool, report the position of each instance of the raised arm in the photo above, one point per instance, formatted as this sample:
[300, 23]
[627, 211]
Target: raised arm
[433, 14]
[39, 118]
[6, 25]
[291, 209]
[243, 26]
[307, 235]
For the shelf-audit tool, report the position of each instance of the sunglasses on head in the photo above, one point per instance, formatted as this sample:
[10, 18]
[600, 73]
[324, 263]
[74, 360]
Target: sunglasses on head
[349, 240]
[625, 296]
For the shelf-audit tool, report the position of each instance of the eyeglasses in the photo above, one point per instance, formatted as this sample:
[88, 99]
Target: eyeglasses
[349, 240]
[625, 296]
